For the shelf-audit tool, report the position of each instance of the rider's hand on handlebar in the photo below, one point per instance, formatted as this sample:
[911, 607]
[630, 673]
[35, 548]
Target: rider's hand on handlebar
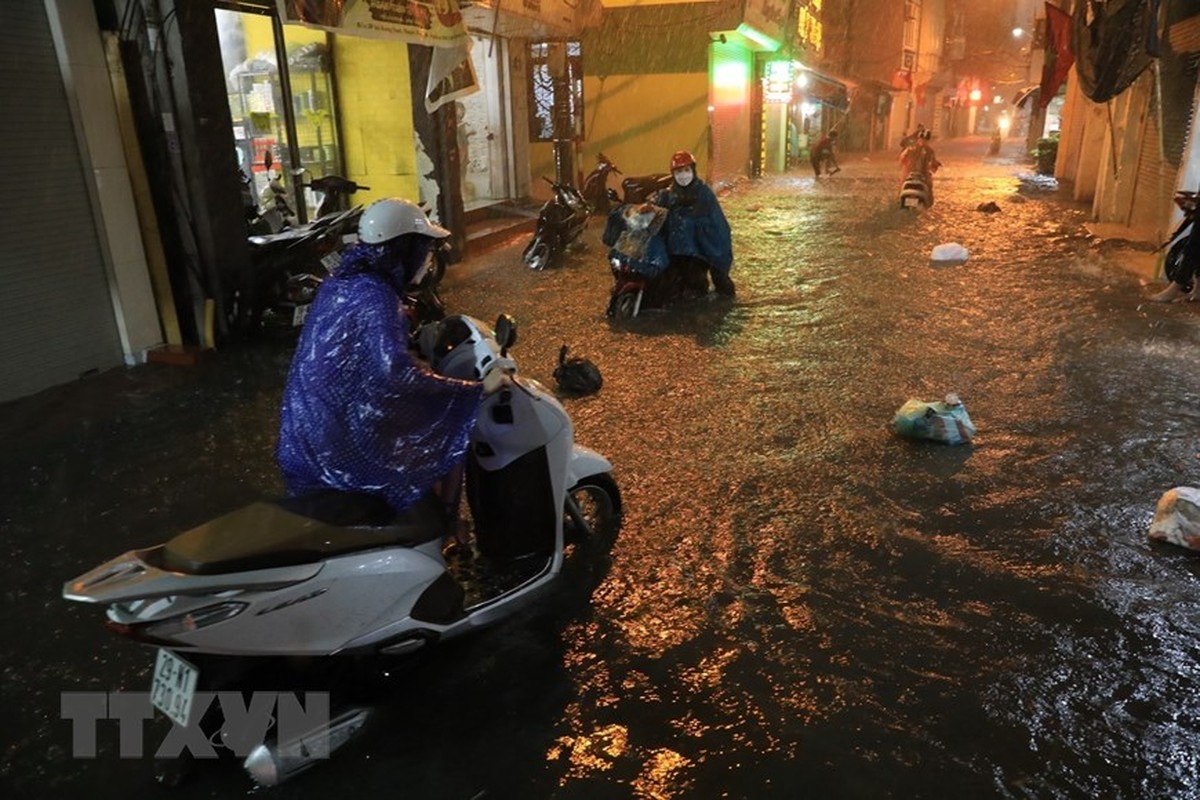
[494, 380]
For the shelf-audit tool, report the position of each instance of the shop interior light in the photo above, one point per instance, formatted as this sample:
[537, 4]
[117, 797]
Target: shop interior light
[808, 109]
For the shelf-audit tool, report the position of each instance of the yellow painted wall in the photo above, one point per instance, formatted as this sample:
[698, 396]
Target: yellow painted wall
[638, 121]
[376, 109]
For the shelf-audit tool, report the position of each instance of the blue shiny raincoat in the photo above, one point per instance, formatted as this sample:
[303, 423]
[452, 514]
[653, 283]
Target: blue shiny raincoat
[696, 225]
[359, 412]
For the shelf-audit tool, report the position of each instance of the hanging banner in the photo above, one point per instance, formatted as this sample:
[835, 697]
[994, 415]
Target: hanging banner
[451, 75]
[1059, 57]
[437, 23]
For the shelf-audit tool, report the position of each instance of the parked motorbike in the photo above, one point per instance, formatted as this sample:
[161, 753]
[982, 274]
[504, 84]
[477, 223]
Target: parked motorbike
[644, 276]
[288, 261]
[336, 574]
[561, 221]
[637, 189]
[286, 268]
[595, 185]
[914, 192]
[1174, 267]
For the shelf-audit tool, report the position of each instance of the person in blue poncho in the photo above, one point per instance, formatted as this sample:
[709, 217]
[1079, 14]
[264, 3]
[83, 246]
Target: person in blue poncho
[696, 226]
[360, 413]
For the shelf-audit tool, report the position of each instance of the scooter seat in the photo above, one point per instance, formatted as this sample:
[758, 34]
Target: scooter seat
[301, 530]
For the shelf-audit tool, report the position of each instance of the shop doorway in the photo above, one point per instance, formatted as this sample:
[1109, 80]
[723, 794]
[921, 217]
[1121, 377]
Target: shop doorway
[484, 138]
[301, 135]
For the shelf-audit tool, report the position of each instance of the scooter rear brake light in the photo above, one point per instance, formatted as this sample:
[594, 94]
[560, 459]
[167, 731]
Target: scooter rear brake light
[194, 620]
[136, 632]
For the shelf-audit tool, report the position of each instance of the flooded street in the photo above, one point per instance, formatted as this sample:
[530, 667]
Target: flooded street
[800, 602]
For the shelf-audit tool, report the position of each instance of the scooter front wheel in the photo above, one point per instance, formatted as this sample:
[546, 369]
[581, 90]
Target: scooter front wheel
[592, 513]
[538, 257]
[625, 306]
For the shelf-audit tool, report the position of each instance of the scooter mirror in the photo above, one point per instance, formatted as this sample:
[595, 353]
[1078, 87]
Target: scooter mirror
[506, 331]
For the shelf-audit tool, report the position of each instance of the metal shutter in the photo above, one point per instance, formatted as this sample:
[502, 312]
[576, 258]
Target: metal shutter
[1155, 177]
[730, 75]
[56, 312]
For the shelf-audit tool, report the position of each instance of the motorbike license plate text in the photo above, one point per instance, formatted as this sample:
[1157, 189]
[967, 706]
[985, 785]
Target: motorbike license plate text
[174, 686]
[331, 260]
[299, 315]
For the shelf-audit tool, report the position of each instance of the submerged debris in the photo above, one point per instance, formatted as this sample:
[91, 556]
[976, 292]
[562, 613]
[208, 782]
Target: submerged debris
[1177, 518]
[941, 421]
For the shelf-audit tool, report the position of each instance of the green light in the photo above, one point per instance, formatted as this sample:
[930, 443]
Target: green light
[759, 38]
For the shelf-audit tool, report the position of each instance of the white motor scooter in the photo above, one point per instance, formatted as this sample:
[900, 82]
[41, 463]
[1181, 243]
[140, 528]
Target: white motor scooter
[335, 574]
[914, 192]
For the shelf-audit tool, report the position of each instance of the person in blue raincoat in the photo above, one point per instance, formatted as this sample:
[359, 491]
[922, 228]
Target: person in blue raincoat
[696, 226]
[360, 413]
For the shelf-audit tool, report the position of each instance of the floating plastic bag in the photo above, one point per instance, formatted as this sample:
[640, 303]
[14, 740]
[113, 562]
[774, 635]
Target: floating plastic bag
[1177, 518]
[951, 251]
[941, 421]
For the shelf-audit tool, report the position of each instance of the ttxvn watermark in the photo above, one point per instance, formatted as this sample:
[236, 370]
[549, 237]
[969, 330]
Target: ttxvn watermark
[246, 721]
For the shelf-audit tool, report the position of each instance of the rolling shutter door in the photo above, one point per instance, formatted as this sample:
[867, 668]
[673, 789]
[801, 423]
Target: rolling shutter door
[1157, 175]
[56, 312]
[732, 69]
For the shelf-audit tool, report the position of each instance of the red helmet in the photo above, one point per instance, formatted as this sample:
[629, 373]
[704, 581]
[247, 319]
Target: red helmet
[682, 159]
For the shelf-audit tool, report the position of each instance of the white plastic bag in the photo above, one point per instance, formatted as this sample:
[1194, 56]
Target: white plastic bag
[942, 421]
[1177, 518]
[951, 251]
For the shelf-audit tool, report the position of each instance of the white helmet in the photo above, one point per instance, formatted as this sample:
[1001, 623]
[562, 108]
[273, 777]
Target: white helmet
[387, 219]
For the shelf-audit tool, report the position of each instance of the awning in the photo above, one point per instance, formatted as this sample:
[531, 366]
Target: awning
[827, 90]
[1020, 98]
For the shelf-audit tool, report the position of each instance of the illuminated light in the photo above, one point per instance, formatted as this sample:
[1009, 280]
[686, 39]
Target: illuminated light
[730, 75]
[777, 81]
[802, 80]
[759, 38]
[997, 99]
[976, 95]
[1005, 124]
[808, 109]
[987, 108]
[1018, 32]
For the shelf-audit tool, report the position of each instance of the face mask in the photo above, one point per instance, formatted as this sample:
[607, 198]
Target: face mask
[684, 176]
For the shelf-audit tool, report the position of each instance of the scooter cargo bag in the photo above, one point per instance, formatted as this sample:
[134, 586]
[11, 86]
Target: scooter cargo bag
[938, 421]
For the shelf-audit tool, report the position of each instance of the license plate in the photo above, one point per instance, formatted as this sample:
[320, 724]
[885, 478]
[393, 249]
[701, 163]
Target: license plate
[299, 314]
[174, 686]
[331, 260]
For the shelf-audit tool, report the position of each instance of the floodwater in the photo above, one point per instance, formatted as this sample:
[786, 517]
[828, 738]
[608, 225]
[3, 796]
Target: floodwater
[800, 603]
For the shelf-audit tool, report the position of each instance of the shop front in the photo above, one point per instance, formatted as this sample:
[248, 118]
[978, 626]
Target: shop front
[800, 105]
